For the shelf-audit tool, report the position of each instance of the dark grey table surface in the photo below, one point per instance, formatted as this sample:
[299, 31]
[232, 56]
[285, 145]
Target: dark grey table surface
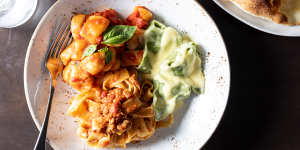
[263, 111]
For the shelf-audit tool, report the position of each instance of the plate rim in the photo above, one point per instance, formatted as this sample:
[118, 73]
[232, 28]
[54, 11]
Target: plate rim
[33, 38]
[229, 71]
[30, 45]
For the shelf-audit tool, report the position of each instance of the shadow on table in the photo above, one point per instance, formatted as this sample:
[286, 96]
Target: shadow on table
[261, 67]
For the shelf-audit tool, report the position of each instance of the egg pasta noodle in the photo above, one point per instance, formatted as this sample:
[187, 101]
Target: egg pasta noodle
[99, 130]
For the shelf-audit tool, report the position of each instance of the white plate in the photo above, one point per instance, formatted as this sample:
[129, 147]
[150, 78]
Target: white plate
[258, 22]
[194, 123]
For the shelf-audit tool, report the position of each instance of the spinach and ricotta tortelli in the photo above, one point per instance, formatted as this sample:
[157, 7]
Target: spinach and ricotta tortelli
[173, 62]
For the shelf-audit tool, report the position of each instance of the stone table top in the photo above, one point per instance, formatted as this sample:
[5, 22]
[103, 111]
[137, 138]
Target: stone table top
[263, 110]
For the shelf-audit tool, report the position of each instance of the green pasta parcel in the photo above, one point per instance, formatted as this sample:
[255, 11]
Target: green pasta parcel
[173, 62]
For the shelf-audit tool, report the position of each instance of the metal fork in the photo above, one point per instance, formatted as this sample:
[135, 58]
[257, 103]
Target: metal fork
[60, 37]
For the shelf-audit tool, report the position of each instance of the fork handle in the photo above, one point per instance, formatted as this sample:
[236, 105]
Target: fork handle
[41, 141]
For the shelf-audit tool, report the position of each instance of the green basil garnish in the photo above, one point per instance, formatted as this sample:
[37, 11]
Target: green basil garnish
[118, 34]
[89, 50]
[108, 54]
[104, 49]
[108, 57]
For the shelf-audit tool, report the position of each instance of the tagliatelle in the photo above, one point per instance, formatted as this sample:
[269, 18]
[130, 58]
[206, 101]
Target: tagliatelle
[104, 125]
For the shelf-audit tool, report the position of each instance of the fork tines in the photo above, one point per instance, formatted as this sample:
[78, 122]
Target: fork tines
[60, 37]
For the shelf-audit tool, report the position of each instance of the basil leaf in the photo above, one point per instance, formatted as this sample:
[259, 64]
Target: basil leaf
[104, 49]
[89, 50]
[118, 34]
[108, 54]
